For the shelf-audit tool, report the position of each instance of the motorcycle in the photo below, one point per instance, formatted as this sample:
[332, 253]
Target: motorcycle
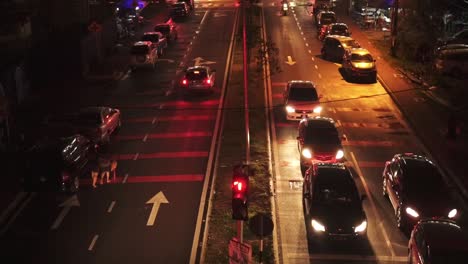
[285, 9]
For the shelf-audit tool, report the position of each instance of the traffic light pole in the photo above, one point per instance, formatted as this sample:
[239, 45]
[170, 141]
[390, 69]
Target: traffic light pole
[394, 28]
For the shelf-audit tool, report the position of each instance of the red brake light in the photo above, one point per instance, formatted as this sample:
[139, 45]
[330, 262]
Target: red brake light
[208, 81]
[184, 81]
[238, 186]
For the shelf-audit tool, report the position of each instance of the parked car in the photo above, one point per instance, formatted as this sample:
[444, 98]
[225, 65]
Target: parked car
[158, 40]
[452, 60]
[436, 241]
[318, 140]
[179, 10]
[332, 204]
[461, 37]
[325, 18]
[340, 29]
[358, 62]
[97, 123]
[199, 78]
[334, 47]
[417, 190]
[301, 100]
[168, 30]
[143, 54]
[56, 164]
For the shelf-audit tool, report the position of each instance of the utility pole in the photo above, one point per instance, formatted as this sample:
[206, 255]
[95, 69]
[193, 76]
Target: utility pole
[394, 31]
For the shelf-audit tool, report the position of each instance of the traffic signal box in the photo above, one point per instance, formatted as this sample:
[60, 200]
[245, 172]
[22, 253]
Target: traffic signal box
[240, 191]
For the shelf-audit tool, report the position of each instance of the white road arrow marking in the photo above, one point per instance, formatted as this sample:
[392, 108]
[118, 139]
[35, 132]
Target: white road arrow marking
[157, 200]
[67, 205]
[290, 61]
[167, 60]
[200, 61]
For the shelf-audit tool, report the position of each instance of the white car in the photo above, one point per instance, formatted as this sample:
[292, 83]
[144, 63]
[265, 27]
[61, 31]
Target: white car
[301, 100]
[199, 78]
[143, 54]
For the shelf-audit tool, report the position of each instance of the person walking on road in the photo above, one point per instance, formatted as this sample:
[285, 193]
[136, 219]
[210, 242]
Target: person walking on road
[113, 168]
[104, 164]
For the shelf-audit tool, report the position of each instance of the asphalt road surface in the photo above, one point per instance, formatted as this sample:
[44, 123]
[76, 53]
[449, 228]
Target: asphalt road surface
[150, 212]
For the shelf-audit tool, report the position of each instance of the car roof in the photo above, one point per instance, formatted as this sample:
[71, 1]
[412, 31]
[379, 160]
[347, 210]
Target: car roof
[152, 33]
[333, 175]
[360, 51]
[444, 235]
[162, 25]
[319, 122]
[142, 43]
[407, 157]
[199, 67]
[338, 24]
[301, 84]
[339, 37]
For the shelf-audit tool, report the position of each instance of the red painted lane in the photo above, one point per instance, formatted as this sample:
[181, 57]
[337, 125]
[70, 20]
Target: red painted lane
[168, 118]
[291, 124]
[364, 143]
[279, 84]
[371, 164]
[151, 178]
[278, 95]
[161, 155]
[165, 135]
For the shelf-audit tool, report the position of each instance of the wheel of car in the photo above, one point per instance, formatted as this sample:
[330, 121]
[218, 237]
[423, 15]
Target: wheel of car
[384, 188]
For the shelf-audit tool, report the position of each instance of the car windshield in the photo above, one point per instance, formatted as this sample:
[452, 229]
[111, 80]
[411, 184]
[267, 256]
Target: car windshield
[327, 17]
[196, 75]
[423, 178]
[335, 194]
[303, 94]
[150, 37]
[338, 29]
[140, 50]
[163, 29]
[351, 43]
[321, 136]
[178, 6]
[361, 57]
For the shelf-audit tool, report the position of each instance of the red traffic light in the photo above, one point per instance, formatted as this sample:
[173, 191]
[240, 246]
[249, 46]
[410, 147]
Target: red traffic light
[239, 186]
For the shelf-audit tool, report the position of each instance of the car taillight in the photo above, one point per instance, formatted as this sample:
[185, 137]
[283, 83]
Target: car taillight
[207, 81]
[184, 81]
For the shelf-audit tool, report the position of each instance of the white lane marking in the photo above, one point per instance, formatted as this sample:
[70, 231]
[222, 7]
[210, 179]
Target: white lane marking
[304, 38]
[309, 51]
[145, 138]
[154, 121]
[307, 44]
[93, 242]
[313, 59]
[111, 206]
[136, 156]
[374, 207]
[13, 218]
[320, 76]
[161, 106]
[302, 33]
[316, 67]
[19, 197]
[125, 178]
[338, 123]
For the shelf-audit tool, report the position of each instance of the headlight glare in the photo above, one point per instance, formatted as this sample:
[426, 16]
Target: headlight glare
[318, 226]
[361, 228]
[452, 213]
[290, 109]
[307, 153]
[339, 154]
[412, 212]
[318, 110]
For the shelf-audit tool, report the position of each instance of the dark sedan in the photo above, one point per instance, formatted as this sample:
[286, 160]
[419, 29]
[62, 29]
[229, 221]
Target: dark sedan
[332, 204]
[416, 190]
[97, 123]
[318, 141]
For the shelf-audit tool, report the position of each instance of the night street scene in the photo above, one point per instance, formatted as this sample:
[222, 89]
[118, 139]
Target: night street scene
[234, 131]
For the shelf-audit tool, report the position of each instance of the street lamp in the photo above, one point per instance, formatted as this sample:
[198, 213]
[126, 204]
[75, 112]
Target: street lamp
[394, 28]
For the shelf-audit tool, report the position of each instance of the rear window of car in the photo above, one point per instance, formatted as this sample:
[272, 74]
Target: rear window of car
[139, 50]
[338, 29]
[197, 74]
[321, 136]
[150, 37]
[422, 177]
[303, 94]
[178, 6]
[361, 57]
[327, 17]
[350, 43]
[163, 29]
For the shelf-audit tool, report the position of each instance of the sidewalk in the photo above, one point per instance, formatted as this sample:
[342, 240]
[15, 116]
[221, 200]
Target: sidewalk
[63, 95]
[427, 116]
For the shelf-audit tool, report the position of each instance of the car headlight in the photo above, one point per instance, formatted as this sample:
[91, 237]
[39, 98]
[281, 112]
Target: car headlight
[452, 213]
[339, 154]
[412, 212]
[290, 109]
[361, 228]
[307, 153]
[318, 110]
[318, 226]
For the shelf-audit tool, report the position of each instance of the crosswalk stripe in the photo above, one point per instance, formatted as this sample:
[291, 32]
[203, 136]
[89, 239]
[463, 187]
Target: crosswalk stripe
[165, 135]
[162, 155]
